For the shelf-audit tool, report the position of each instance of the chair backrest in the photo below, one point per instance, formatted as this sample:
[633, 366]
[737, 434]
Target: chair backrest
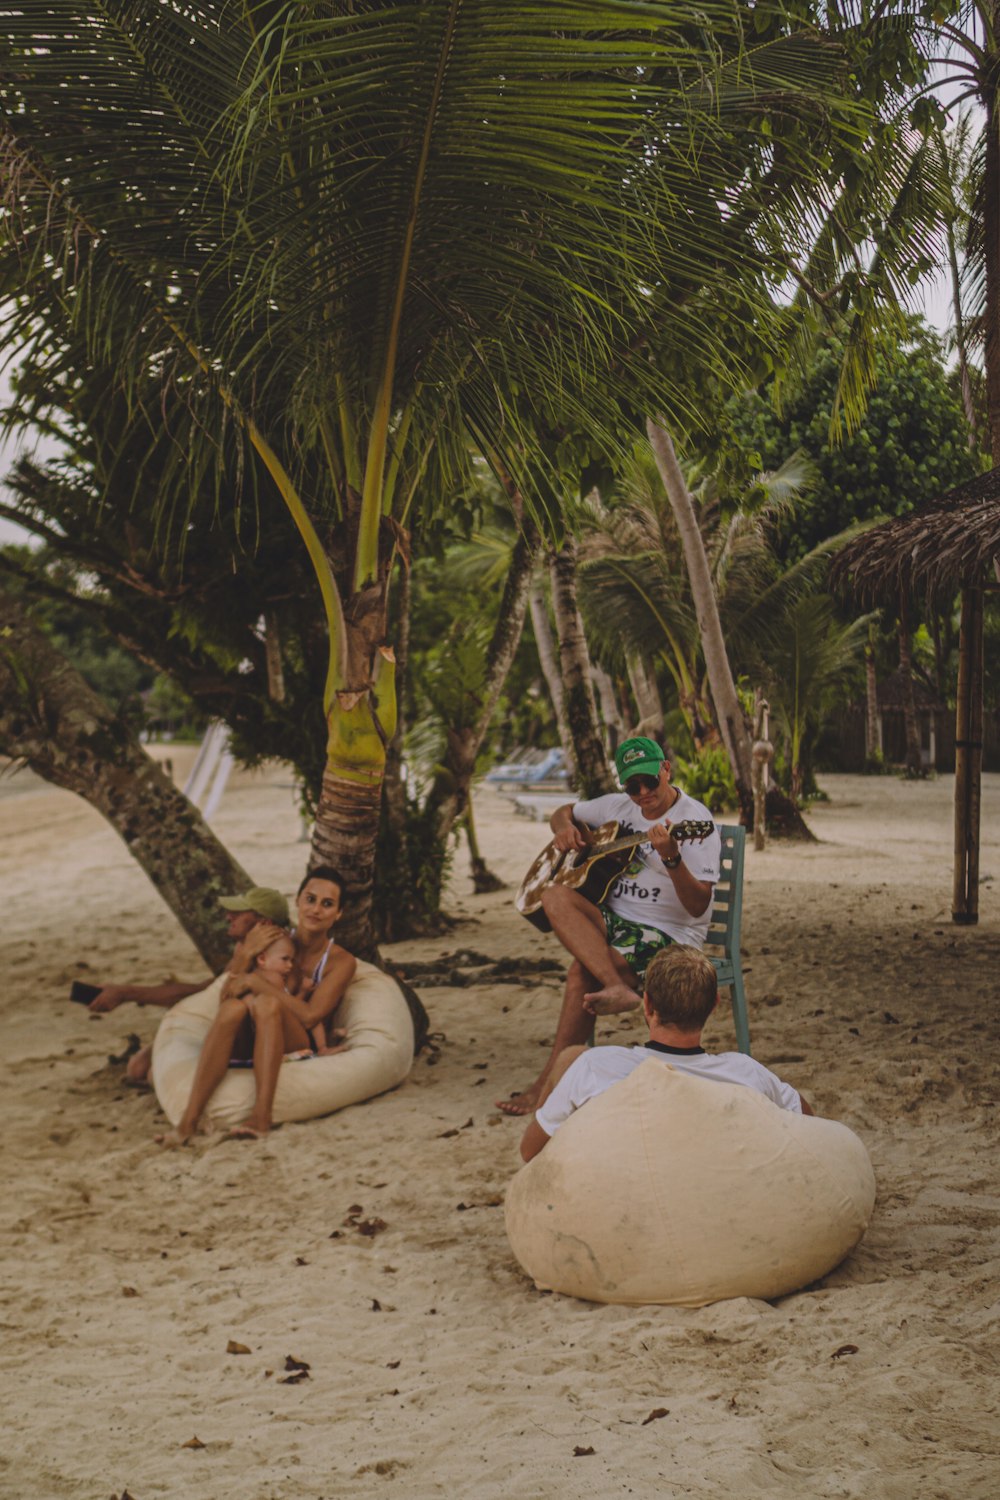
[727, 912]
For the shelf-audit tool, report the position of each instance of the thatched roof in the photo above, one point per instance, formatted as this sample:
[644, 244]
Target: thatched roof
[946, 545]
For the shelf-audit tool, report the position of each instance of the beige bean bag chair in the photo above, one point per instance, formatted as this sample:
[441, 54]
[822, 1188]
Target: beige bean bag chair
[379, 1056]
[682, 1190]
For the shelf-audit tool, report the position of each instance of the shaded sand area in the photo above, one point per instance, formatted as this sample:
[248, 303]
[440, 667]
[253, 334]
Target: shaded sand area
[435, 1368]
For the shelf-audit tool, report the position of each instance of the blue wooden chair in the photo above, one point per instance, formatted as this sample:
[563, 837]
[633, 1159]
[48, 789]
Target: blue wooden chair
[724, 929]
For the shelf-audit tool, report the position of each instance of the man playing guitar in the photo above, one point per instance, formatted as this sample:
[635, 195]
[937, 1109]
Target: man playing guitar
[664, 896]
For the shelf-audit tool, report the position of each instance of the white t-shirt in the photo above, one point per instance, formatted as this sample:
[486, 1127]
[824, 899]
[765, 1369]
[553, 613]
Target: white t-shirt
[644, 892]
[599, 1067]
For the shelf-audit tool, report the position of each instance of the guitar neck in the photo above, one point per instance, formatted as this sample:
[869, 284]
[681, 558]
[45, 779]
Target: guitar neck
[682, 832]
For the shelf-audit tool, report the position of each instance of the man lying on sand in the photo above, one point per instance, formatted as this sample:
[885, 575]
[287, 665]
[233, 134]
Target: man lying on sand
[664, 897]
[243, 912]
[681, 993]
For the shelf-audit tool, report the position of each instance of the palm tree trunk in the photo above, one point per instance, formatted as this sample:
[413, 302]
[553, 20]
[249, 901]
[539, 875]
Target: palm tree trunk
[574, 663]
[785, 816]
[450, 795]
[610, 712]
[872, 737]
[914, 759]
[728, 712]
[548, 660]
[647, 697]
[52, 719]
[361, 722]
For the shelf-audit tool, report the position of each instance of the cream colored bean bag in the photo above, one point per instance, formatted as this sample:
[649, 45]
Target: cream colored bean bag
[682, 1190]
[379, 1056]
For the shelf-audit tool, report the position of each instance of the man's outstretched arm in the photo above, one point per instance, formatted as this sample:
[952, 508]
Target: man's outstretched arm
[168, 993]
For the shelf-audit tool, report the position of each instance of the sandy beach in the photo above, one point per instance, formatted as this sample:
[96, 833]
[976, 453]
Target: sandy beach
[152, 1300]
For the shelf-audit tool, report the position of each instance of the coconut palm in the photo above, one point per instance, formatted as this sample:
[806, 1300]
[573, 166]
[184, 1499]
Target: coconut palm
[349, 240]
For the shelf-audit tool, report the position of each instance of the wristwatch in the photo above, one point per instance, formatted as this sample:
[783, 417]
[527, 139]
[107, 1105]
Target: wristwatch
[671, 864]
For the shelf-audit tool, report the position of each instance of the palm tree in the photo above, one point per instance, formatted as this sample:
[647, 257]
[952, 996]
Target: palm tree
[350, 242]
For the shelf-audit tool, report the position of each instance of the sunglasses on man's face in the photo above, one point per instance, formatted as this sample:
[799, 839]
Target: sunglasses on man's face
[638, 784]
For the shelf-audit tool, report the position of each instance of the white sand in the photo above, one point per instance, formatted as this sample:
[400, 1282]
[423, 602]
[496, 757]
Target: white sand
[436, 1368]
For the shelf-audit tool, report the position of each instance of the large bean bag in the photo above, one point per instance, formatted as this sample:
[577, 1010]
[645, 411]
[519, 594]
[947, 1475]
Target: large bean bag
[669, 1188]
[379, 1056]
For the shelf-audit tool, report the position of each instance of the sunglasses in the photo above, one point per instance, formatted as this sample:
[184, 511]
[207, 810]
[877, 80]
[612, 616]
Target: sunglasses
[637, 784]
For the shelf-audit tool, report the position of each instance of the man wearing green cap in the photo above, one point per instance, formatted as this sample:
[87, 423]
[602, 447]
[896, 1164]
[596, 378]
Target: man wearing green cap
[243, 912]
[663, 897]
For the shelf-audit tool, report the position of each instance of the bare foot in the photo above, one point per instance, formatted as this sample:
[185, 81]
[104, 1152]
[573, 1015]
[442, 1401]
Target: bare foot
[611, 1001]
[137, 1068]
[520, 1104]
[171, 1139]
[250, 1130]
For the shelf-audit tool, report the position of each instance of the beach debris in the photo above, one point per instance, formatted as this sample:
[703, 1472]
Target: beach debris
[889, 1018]
[371, 1227]
[299, 1370]
[447, 1134]
[132, 1045]
[656, 1414]
[234, 1348]
[579, 1452]
[494, 1202]
[129, 1291]
[376, 1305]
[844, 1350]
[194, 1442]
[393, 1364]
[300, 1260]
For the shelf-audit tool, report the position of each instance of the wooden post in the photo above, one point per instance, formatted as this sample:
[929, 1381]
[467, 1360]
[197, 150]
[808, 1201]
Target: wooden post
[968, 760]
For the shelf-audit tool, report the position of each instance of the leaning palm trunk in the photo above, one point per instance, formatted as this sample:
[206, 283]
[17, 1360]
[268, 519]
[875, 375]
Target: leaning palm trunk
[52, 719]
[646, 695]
[549, 662]
[452, 789]
[783, 813]
[727, 705]
[574, 662]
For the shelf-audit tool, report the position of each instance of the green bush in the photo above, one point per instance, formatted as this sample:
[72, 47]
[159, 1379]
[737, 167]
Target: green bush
[707, 776]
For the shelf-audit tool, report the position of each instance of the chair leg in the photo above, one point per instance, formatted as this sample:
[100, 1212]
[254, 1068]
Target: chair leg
[740, 1018]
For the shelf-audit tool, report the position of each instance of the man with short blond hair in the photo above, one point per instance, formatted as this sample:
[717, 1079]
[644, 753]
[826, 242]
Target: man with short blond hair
[680, 994]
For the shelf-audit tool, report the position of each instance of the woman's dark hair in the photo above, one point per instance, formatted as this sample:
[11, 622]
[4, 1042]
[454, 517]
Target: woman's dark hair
[322, 872]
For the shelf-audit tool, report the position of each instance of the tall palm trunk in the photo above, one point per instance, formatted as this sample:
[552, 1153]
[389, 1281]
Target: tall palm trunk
[733, 726]
[873, 738]
[451, 794]
[646, 695]
[548, 660]
[610, 711]
[361, 722]
[914, 757]
[52, 719]
[574, 663]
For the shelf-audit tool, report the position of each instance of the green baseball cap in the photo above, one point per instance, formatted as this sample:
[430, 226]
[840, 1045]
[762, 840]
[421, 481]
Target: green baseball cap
[262, 900]
[638, 757]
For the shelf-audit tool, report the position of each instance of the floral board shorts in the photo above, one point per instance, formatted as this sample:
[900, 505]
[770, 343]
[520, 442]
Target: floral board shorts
[637, 945]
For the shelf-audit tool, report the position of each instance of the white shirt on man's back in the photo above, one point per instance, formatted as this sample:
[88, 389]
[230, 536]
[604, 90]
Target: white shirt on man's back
[599, 1068]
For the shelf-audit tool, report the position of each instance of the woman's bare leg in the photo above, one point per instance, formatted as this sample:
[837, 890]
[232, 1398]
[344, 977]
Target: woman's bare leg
[213, 1060]
[276, 1032]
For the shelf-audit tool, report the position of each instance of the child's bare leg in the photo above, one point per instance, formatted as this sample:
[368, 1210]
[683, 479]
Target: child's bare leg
[213, 1061]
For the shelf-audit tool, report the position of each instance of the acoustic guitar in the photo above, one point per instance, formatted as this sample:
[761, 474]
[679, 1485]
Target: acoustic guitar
[591, 871]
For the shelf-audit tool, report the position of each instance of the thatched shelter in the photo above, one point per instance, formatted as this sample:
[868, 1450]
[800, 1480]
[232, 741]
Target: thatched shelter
[946, 545]
[951, 544]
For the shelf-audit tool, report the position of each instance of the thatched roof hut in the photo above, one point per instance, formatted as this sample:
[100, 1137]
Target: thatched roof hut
[950, 544]
[944, 546]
